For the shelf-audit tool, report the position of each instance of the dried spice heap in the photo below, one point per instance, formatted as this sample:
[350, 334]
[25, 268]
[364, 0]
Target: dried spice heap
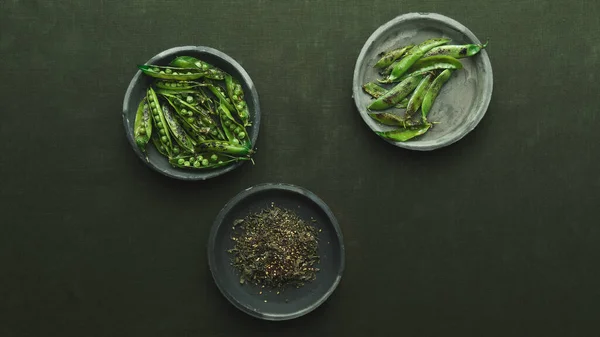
[275, 248]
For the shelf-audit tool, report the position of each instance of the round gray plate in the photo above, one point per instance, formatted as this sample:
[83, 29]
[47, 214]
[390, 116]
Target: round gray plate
[463, 100]
[291, 302]
[137, 90]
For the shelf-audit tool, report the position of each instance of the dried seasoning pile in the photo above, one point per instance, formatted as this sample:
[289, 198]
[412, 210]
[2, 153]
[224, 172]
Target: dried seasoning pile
[275, 248]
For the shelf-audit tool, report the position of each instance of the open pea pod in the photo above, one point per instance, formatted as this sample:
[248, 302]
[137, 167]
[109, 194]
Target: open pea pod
[177, 130]
[171, 73]
[160, 147]
[211, 71]
[221, 96]
[159, 119]
[180, 104]
[234, 131]
[204, 160]
[457, 51]
[223, 147]
[236, 94]
[178, 86]
[142, 127]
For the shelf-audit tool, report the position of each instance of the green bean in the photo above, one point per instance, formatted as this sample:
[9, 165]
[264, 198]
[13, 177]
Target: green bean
[392, 55]
[211, 71]
[428, 64]
[417, 97]
[458, 52]
[404, 134]
[433, 92]
[178, 132]
[376, 91]
[236, 94]
[157, 111]
[396, 94]
[224, 147]
[413, 56]
[142, 127]
[182, 73]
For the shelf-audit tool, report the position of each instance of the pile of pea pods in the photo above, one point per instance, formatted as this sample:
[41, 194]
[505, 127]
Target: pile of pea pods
[194, 114]
[421, 70]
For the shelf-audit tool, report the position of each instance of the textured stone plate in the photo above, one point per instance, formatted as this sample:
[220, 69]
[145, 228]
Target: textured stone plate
[291, 302]
[463, 100]
[137, 90]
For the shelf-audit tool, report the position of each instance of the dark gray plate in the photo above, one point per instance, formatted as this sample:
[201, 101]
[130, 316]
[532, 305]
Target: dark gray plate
[300, 301]
[137, 90]
[463, 100]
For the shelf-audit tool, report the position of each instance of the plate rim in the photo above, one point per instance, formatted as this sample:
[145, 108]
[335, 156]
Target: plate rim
[198, 175]
[487, 90]
[246, 193]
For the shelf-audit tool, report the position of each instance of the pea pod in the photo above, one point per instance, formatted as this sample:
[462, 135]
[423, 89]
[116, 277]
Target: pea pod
[211, 71]
[178, 86]
[159, 118]
[178, 132]
[205, 160]
[236, 94]
[220, 94]
[458, 52]
[171, 73]
[391, 56]
[417, 97]
[433, 92]
[429, 64]
[376, 91]
[396, 94]
[404, 134]
[234, 132]
[390, 119]
[176, 101]
[413, 56]
[161, 148]
[142, 127]
[223, 147]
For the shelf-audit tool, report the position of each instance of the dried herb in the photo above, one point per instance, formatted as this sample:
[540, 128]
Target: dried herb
[275, 248]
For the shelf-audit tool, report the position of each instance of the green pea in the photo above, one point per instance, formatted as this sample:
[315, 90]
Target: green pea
[168, 71]
[184, 111]
[180, 161]
[236, 98]
[189, 99]
[197, 164]
[228, 100]
[145, 106]
[155, 70]
[220, 162]
[241, 135]
[176, 150]
[152, 104]
[205, 162]
[159, 125]
[204, 66]
[214, 157]
[186, 163]
[240, 107]
[175, 73]
[180, 84]
[227, 122]
[236, 141]
[161, 132]
[188, 73]
[190, 113]
[237, 130]
[190, 120]
[214, 132]
[200, 158]
[163, 139]
[162, 72]
[142, 131]
[232, 127]
[157, 117]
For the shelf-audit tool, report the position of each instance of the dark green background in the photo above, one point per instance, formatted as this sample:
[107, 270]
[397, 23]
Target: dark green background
[497, 235]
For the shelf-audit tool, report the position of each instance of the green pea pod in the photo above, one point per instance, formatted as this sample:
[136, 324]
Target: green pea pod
[457, 52]
[171, 73]
[404, 134]
[429, 64]
[176, 101]
[220, 94]
[159, 118]
[211, 71]
[413, 56]
[396, 94]
[417, 97]
[205, 160]
[433, 92]
[234, 132]
[142, 127]
[236, 94]
[198, 134]
[376, 91]
[177, 130]
[391, 56]
[390, 119]
[178, 86]
[223, 147]
[388, 70]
